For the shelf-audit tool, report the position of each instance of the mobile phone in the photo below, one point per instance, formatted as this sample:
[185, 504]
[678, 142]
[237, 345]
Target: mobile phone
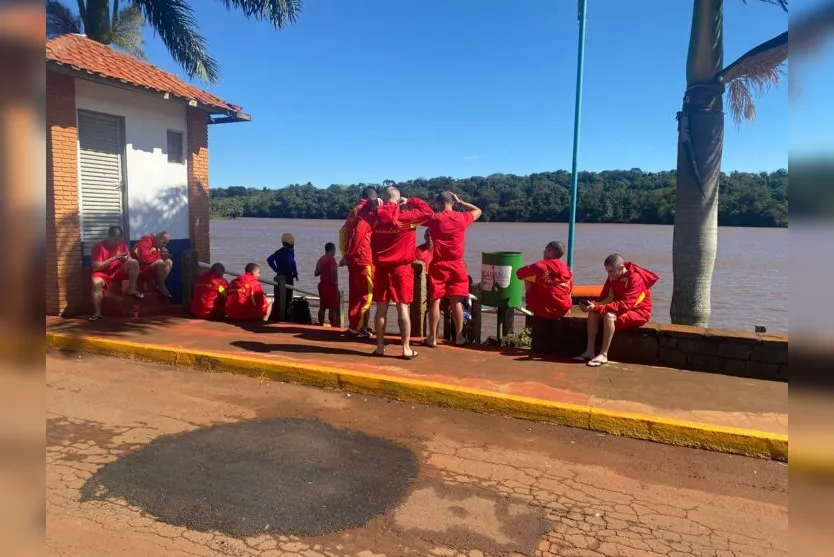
[585, 303]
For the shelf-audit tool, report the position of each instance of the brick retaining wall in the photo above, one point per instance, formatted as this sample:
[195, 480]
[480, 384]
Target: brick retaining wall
[728, 352]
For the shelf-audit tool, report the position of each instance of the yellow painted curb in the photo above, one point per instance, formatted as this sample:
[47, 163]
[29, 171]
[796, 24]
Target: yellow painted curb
[640, 426]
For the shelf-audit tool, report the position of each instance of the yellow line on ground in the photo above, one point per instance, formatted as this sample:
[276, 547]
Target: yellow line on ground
[653, 428]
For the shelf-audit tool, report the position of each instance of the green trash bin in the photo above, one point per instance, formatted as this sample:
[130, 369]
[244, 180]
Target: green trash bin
[499, 286]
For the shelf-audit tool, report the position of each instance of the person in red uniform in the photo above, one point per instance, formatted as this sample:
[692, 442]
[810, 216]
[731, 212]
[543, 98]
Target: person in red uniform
[625, 302]
[110, 261]
[246, 300]
[355, 244]
[447, 275]
[549, 283]
[327, 269]
[424, 255]
[154, 259]
[209, 298]
[394, 247]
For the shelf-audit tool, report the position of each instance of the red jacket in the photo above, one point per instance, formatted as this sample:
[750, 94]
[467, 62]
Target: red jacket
[209, 298]
[629, 292]
[549, 284]
[146, 252]
[246, 298]
[355, 238]
[394, 236]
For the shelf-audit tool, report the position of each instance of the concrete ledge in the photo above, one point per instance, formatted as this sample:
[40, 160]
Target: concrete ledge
[728, 352]
[653, 428]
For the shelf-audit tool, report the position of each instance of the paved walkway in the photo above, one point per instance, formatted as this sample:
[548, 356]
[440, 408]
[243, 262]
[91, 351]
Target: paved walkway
[716, 400]
[148, 460]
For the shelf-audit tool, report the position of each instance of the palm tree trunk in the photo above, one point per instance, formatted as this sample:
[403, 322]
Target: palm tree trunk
[700, 145]
[97, 23]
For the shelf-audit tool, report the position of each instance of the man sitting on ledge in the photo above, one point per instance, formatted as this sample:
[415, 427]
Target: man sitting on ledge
[110, 261]
[209, 299]
[154, 259]
[625, 302]
[549, 283]
[246, 300]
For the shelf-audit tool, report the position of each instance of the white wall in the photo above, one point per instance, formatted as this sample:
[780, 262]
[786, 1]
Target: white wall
[157, 190]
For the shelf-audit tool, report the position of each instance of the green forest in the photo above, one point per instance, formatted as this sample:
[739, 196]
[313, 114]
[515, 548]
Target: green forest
[613, 196]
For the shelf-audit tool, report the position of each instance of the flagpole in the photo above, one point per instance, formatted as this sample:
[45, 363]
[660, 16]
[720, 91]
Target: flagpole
[574, 181]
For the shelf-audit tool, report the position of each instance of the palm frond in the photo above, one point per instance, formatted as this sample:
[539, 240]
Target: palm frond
[781, 3]
[127, 31]
[174, 22]
[752, 74]
[60, 20]
[277, 12]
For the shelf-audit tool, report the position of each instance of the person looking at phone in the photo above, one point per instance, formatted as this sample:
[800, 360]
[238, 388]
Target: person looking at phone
[110, 261]
[625, 302]
[549, 283]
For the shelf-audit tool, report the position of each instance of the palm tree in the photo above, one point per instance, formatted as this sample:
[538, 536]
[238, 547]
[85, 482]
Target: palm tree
[172, 20]
[700, 146]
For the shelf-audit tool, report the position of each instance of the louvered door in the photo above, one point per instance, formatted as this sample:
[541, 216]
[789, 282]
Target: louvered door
[101, 174]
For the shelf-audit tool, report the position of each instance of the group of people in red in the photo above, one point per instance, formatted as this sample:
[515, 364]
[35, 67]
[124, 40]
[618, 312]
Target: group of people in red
[379, 246]
[625, 300]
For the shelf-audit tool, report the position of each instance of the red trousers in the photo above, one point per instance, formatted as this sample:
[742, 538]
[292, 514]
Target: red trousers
[360, 294]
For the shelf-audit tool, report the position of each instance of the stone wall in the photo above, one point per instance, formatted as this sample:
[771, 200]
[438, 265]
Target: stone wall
[728, 352]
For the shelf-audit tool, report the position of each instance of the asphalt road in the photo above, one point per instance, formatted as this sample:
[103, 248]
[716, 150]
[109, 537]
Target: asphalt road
[145, 459]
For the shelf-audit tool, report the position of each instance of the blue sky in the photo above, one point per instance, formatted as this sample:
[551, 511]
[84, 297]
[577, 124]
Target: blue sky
[363, 91]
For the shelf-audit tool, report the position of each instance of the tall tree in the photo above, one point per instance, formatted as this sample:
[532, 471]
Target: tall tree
[173, 20]
[701, 143]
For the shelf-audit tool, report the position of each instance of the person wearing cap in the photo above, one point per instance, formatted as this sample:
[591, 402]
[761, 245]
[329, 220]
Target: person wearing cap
[282, 262]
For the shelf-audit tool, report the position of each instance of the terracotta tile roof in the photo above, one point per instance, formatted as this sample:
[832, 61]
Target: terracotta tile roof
[86, 55]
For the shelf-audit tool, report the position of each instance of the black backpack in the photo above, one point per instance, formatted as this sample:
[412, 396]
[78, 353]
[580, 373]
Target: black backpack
[300, 312]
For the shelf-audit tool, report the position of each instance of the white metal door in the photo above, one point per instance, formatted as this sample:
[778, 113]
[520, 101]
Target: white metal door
[101, 176]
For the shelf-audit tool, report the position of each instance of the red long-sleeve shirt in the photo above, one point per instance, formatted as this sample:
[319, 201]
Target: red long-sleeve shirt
[209, 299]
[246, 298]
[355, 238]
[549, 286]
[630, 292]
[146, 252]
[394, 236]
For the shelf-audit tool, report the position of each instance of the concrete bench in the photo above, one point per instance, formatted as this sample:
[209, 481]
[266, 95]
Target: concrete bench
[724, 351]
[117, 304]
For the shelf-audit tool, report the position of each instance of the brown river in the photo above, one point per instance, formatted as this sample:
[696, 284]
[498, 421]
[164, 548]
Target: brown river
[750, 284]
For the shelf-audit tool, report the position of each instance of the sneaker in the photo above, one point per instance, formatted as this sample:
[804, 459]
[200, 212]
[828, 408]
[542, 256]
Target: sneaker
[368, 331]
[359, 334]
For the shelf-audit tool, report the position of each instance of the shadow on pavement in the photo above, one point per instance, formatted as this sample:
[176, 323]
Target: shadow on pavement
[283, 476]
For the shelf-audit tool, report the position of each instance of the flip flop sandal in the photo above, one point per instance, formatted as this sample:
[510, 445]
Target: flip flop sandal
[411, 357]
[164, 295]
[428, 345]
[596, 363]
[138, 295]
[377, 354]
[95, 317]
[581, 359]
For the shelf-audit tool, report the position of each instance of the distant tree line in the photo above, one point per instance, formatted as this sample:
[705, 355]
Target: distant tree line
[614, 196]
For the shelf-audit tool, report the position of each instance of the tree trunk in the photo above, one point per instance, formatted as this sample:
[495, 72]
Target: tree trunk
[700, 145]
[97, 24]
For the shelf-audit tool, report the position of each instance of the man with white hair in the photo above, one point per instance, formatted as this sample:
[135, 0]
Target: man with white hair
[155, 260]
[625, 302]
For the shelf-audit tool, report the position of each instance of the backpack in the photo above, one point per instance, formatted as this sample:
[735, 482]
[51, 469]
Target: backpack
[300, 312]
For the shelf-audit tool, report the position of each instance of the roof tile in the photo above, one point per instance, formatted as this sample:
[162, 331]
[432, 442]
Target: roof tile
[83, 54]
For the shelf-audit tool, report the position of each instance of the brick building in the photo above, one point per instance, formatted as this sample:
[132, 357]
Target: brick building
[127, 144]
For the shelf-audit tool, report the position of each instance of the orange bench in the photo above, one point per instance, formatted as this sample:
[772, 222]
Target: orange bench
[586, 292]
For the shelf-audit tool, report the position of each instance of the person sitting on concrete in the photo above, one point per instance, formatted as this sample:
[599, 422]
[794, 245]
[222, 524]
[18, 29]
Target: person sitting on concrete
[110, 261]
[209, 299]
[625, 302]
[549, 283]
[154, 259]
[327, 269]
[282, 262]
[246, 300]
[447, 275]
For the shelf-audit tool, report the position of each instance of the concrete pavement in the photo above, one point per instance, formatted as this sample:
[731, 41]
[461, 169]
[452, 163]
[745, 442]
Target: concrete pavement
[725, 413]
[484, 485]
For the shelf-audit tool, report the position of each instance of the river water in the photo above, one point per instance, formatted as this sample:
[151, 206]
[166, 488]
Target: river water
[750, 284]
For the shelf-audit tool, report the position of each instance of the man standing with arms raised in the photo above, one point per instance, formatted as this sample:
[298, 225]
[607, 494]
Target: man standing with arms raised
[355, 243]
[447, 275]
[394, 246]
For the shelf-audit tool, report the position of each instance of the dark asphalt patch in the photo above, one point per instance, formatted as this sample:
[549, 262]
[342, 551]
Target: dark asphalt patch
[285, 476]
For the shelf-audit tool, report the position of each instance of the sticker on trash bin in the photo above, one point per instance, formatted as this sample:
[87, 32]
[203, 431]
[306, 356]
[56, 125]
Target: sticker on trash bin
[495, 276]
